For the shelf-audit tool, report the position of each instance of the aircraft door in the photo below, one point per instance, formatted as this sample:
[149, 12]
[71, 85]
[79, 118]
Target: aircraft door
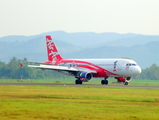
[119, 65]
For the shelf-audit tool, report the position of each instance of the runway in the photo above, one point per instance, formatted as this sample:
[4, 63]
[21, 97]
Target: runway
[90, 85]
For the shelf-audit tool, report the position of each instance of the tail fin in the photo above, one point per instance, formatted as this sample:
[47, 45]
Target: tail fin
[53, 56]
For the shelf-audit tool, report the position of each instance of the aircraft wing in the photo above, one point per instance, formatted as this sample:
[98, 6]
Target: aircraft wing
[60, 68]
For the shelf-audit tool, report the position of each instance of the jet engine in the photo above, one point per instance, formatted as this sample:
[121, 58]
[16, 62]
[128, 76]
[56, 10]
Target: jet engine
[85, 76]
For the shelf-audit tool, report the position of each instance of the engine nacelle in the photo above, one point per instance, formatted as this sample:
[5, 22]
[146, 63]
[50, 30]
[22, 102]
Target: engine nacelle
[85, 76]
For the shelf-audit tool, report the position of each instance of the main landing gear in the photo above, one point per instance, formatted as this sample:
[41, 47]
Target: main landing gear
[104, 82]
[78, 81]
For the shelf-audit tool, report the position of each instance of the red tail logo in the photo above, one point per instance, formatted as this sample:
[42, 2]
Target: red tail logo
[53, 55]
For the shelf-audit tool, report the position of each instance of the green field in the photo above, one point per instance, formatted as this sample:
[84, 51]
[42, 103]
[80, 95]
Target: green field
[78, 103]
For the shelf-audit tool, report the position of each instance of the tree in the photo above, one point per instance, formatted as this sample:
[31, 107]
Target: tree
[151, 73]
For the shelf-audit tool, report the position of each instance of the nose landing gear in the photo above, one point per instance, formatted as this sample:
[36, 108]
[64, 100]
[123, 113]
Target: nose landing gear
[126, 83]
[128, 79]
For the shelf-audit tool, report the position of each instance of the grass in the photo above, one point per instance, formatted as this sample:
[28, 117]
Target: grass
[74, 103]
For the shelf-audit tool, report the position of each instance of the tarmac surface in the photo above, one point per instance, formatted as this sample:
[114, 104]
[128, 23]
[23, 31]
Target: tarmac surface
[74, 85]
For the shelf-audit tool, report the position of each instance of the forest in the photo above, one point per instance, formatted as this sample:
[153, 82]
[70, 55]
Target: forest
[12, 70]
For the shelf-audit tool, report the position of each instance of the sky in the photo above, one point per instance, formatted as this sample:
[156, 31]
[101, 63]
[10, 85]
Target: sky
[31, 17]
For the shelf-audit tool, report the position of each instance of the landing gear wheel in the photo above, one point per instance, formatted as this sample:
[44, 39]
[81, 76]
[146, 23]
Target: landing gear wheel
[126, 83]
[104, 82]
[78, 82]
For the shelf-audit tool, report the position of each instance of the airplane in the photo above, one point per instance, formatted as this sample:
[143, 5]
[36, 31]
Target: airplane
[122, 69]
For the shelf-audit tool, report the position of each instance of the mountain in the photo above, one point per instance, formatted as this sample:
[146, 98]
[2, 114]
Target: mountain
[134, 40]
[144, 55]
[87, 39]
[90, 39]
[141, 48]
[33, 49]
[17, 38]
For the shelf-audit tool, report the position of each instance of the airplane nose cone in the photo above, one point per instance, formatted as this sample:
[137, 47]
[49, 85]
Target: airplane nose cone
[134, 71]
[138, 70]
